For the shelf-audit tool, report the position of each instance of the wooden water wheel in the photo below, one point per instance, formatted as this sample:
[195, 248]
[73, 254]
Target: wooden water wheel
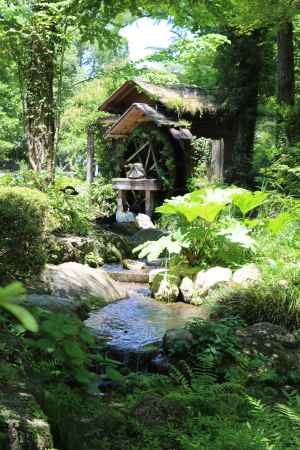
[151, 146]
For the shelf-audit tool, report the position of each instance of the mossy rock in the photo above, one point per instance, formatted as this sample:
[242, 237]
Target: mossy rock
[95, 250]
[23, 425]
[165, 286]
[112, 247]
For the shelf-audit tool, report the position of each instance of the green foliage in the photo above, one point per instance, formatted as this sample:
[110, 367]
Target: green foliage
[205, 230]
[103, 195]
[193, 58]
[284, 172]
[10, 297]
[23, 221]
[276, 300]
[247, 201]
[201, 160]
[61, 350]
[68, 213]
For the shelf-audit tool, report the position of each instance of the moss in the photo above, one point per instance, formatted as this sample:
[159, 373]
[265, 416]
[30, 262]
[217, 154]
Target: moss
[22, 422]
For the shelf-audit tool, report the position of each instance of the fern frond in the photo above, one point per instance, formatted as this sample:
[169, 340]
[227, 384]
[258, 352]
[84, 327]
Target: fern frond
[290, 414]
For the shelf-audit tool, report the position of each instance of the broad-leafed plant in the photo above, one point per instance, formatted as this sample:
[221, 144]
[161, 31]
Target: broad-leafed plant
[211, 224]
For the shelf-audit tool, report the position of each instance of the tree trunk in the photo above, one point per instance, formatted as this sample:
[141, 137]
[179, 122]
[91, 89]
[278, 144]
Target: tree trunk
[40, 107]
[241, 67]
[286, 79]
[90, 156]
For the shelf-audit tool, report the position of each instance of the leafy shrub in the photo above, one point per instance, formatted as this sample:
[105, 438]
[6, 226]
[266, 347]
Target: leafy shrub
[69, 213]
[103, 195]
[61, 350]
[205, 229]
[284, 172]
[273, 301]
[23, 220]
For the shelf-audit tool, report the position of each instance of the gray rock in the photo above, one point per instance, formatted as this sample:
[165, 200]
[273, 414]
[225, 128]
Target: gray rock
[22, 423]
[55, 304]
[74, 280]
[212, 277]
[247, 274]
[177, 341]
[187, 289]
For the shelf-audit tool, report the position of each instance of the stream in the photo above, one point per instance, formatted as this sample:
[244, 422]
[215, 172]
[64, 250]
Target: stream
[133, 328]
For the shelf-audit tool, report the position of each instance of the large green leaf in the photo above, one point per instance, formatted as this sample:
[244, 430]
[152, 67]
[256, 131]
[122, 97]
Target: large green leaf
[154, 249]
[246, 201]
[26, 319]
[210, 211]
[9, 296]
[238, 234]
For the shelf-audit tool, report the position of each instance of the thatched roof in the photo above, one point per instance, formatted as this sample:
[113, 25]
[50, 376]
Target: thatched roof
[136, 114]
[139, 113]
[177, 97]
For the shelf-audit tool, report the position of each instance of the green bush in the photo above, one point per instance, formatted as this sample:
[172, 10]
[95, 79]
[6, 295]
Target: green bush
[103, 195]
[284, 172]
[23, 220]
[276, 302]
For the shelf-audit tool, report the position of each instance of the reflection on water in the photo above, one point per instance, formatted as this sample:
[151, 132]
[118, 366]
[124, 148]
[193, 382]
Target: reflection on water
[138, 322]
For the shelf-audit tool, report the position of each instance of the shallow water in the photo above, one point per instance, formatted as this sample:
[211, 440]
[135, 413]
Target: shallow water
[138, 322]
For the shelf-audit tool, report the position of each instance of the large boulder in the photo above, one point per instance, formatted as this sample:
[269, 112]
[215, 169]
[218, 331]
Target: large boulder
[74, 280]
[52, 303]
[211, 278]
[247, 274]
[23, 426]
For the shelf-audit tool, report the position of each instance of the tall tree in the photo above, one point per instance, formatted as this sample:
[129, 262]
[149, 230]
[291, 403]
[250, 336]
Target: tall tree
[37, 33]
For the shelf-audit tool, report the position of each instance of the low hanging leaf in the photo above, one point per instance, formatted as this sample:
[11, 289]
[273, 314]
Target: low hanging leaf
[246, 201]
[9, 296]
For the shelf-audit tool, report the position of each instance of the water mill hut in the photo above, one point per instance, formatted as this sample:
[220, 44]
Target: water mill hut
[156, 125]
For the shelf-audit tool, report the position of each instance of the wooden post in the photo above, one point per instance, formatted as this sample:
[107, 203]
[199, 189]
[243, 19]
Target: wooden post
[217, 161]
[149, 203]
[120, 200]
[90, 156]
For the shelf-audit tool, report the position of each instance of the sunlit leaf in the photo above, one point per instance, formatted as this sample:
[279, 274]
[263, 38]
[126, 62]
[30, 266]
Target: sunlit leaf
[22, 315]
[238, 234]
[246, 201]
